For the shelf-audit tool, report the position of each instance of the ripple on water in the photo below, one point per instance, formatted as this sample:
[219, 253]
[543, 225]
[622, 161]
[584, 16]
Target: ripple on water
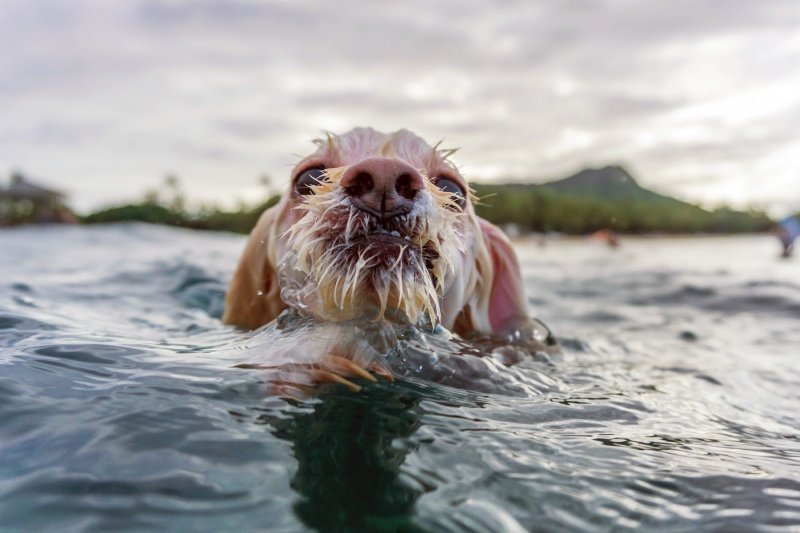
[672, 407]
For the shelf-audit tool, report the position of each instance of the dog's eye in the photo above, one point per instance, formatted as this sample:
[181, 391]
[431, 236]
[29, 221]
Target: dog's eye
[455, 190]
[308, 179]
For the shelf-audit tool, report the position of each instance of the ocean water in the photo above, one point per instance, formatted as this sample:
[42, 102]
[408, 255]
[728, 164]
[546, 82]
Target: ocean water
[674, 404]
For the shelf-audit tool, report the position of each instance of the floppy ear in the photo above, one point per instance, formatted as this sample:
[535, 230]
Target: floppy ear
[499, 304]
[253, 298]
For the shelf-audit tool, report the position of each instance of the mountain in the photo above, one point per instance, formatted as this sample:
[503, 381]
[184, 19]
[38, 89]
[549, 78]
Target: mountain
[604, 198]
[609, 183]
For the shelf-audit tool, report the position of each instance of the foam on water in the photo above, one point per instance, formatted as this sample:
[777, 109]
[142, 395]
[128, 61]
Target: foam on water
[674, 404]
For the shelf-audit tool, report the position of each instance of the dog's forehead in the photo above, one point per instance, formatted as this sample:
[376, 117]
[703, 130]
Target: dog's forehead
[361, 143]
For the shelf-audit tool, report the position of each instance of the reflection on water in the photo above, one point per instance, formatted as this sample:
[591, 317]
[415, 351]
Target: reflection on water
[673, 405]
[349, 450]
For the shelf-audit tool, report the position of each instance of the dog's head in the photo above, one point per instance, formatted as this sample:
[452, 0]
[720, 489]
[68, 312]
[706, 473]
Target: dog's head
[378, 224]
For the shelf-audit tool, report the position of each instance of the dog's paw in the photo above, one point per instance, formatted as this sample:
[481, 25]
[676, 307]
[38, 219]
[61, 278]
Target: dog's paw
[301, 380]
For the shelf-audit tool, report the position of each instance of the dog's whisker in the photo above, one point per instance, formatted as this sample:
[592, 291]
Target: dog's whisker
[383, 297]
[349, 284]
[399, 257]
[400, 293]
[327, 262]
[348, 229]
[336, 293]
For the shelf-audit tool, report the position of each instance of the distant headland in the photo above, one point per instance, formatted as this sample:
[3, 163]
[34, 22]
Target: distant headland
[606, 198]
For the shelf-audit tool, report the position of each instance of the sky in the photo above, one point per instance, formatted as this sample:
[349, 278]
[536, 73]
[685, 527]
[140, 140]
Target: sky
[697, 98]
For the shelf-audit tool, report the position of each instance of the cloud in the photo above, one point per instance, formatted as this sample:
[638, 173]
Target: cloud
[103, 98]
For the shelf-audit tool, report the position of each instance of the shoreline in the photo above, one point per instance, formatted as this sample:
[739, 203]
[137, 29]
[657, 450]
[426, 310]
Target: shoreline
[538, 238]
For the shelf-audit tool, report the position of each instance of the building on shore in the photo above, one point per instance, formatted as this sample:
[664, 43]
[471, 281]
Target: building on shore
[25, 202]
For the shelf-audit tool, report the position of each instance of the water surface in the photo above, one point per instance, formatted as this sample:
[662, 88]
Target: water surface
[674, 406]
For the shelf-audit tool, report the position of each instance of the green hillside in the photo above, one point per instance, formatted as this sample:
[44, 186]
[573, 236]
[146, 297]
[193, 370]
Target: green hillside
[608, 197]
[610, 183]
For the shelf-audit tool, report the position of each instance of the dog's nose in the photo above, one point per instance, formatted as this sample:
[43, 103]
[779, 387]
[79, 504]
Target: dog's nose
[382, 186]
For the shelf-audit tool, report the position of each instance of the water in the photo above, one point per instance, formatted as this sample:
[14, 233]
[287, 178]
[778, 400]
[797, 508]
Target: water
[675, 404]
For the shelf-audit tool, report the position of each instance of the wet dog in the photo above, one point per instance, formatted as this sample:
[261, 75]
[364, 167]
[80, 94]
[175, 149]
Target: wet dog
[380, 226]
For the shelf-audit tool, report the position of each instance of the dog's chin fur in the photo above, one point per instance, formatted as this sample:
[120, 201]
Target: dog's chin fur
[354, 264]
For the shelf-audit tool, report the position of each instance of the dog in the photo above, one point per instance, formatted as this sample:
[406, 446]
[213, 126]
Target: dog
[379, 226]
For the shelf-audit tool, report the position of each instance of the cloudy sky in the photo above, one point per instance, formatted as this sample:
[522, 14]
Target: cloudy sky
[697, 98]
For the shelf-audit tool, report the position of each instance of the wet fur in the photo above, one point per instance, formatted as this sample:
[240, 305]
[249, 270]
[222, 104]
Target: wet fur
[449, 267]
[332, 246]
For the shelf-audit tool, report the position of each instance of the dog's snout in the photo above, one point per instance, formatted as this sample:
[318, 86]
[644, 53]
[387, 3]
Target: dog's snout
[382, 186]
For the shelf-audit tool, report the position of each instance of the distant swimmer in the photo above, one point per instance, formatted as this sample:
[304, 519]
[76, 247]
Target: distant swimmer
[788, 231]
[607, 235]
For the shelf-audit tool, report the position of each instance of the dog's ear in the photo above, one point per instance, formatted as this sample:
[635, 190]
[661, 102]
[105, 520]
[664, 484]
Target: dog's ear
[253, 298]
[499, 304]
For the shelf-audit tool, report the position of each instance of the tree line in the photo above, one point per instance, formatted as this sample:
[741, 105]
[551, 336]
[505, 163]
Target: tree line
[528, 207]
[537, 209]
